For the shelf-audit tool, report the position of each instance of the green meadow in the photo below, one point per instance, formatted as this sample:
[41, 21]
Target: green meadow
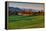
[24, 22]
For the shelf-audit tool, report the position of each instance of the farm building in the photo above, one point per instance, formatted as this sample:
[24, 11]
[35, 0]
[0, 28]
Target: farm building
[25, 13]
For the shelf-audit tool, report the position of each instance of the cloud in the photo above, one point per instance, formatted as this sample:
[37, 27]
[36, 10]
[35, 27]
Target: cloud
[24, 5]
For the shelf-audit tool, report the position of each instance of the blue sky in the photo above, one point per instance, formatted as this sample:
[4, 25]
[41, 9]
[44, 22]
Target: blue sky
[27, 5]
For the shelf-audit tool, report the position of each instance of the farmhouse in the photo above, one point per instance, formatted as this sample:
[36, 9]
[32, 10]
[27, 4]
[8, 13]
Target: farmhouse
[25, 13]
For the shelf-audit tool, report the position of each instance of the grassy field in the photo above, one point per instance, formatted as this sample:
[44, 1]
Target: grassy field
[22, 22]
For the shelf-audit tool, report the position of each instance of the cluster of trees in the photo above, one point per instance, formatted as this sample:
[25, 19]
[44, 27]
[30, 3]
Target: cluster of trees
[12, 13]
[32, 13]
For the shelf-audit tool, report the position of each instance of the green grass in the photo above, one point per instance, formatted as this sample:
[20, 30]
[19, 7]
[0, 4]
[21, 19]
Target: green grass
[22, 22]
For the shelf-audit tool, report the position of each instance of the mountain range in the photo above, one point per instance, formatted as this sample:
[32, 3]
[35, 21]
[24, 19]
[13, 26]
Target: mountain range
[16, 9]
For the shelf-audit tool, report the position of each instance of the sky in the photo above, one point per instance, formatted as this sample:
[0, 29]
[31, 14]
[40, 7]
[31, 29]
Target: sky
[27, 5]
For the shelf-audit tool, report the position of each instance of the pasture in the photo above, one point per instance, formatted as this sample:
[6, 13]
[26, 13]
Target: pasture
[24, 22]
